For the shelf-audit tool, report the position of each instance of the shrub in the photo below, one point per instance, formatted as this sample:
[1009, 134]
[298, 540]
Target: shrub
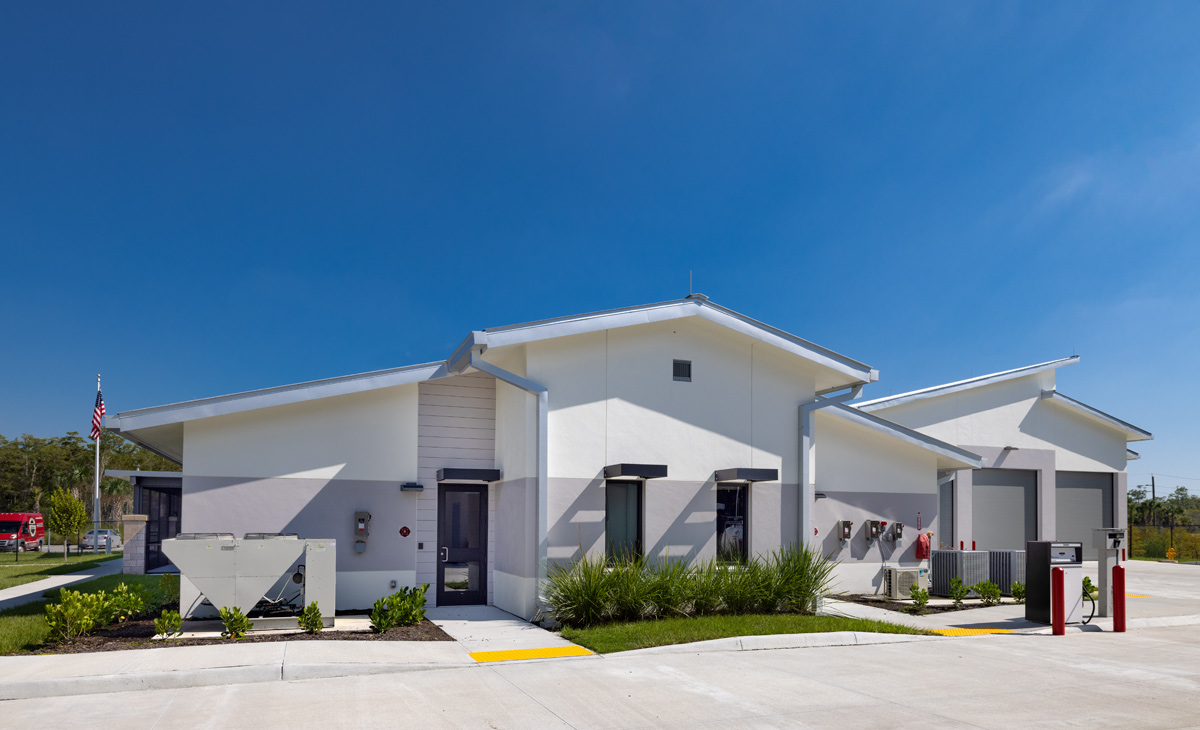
[958, 591]
[169, 624]
[125, 602]
[920, 598]
[236, 625]
[76, 614]
[166, 593]
[988, 591]
[579, 592]
[405, 607]
[594, 590]
[310, 619]
[1089, 587]
[1018, 592]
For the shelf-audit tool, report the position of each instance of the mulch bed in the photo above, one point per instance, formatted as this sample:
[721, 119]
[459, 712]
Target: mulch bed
[139, 634]
[903, 606]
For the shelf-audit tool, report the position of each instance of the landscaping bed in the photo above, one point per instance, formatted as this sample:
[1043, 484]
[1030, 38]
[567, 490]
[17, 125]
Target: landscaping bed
[139, 634]
[906, 606]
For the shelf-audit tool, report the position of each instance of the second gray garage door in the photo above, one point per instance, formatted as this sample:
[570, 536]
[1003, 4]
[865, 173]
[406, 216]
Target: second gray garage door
[1083, 502]
[1003, 508]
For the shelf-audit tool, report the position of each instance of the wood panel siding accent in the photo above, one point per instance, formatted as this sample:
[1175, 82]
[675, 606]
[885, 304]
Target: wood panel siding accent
[456, 427]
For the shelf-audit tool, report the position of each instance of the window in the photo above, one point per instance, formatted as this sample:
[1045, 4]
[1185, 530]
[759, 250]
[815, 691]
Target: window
[732, 503]
[683, 371]
[623, 519]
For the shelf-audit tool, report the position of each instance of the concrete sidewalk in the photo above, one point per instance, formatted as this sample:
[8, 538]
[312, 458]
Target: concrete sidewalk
[18, 595]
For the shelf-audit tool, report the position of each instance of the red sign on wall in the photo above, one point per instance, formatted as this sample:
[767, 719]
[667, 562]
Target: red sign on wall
[404, 532]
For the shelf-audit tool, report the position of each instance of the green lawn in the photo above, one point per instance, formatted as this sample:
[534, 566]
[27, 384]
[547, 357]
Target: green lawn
[35, 566]
[643, 634]
[24, 627]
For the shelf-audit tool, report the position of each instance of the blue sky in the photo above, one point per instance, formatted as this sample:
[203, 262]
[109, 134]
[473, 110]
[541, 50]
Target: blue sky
[198, 199]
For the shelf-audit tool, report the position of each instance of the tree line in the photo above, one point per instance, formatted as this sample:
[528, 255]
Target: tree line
[1177, 508]
[33, 468]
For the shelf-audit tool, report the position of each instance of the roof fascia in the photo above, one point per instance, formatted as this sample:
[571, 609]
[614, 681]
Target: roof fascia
[1132, 432]
[1131, 455]
[282, 395]
[961, 385]
[961, 458]
[666, 311]
[126, 474]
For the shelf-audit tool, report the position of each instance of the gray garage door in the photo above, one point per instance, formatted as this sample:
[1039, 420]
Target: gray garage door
[1003, 508]
[1083, 502]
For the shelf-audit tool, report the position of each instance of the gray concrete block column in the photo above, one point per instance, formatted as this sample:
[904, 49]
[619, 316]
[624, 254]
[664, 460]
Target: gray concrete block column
[133, 561]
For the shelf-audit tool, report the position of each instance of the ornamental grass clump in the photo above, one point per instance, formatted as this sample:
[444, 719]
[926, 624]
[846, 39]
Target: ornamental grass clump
[594, 590]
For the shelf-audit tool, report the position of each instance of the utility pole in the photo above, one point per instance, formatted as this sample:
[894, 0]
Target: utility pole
[1153, 503]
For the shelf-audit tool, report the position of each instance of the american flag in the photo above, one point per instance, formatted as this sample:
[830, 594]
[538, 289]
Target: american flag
[97, 415]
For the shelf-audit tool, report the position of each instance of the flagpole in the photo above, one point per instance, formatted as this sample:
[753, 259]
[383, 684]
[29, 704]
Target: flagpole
[96, 494]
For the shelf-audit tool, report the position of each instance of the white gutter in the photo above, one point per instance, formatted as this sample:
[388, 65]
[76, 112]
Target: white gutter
[543, 461]
[807, 488]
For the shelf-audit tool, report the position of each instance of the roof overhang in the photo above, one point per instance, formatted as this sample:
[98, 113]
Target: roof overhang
[948, 456]
[849, 372]
[635, 471]
[961, 385]
[451, 474]
[282, 395]
[1132, 433]
[742, 474]
[129, 475]
[1131, 455]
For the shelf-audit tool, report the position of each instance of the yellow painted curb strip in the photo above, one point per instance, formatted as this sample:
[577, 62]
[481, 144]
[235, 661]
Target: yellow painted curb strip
[515, 654]
[1134, 595]
[972, 632]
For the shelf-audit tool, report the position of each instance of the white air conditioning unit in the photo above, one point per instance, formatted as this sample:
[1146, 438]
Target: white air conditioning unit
[898, 582]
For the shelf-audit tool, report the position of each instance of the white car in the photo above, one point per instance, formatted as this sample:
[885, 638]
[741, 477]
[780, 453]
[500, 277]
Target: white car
[85, 543]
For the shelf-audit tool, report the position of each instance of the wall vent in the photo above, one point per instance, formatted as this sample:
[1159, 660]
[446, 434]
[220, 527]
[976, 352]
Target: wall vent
[682, 371]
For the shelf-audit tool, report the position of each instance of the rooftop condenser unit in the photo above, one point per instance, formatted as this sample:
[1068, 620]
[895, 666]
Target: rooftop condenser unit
[969, 566]
[898, 582]
[232, 572]
[1006, 567]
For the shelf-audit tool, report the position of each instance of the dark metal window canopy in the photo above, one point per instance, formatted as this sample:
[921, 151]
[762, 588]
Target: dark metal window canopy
[747, 475]
[468, 475]
[635, 471]
[412, 487]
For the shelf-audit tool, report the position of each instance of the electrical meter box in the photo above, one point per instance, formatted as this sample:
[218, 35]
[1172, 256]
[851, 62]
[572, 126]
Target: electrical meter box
[844, 527]
[872, 529]
[362, 529]
[1109, 538]
[897, 530]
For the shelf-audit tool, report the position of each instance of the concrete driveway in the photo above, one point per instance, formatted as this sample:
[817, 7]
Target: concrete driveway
[1146, 679]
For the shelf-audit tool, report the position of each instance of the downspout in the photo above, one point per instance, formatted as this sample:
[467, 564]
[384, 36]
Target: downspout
[807, 496]
[543, 410]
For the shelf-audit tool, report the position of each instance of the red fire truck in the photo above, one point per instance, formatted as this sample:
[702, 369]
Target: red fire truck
[21, 531]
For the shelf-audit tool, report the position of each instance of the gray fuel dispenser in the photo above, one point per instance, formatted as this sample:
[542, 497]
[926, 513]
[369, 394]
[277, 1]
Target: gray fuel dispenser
[1108, 542]
[1040, 558]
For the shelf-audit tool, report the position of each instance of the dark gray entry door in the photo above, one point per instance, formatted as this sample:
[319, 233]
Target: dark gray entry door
[462, 545]
[1003, 508]
[1083, 501]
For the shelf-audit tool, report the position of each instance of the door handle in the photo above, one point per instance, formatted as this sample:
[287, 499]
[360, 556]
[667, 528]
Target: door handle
[445, 554]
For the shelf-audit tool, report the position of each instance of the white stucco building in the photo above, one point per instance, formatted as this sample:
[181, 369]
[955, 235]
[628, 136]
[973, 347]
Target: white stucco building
[679, 430]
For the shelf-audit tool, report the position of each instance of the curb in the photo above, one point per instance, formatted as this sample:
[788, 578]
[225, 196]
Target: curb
[783, 641]
[210, 677]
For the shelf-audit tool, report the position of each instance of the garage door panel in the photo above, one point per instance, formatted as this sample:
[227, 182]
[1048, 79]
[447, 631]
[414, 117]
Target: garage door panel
[1003, 508]
[1083, 502]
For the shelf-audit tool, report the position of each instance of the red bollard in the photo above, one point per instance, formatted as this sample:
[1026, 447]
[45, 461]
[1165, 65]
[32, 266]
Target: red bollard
[1118, 596]
[960, 544]
[972, 544]
[1058, 611]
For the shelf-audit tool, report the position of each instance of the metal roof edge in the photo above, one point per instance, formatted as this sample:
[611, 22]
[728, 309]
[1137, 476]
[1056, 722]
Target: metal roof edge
[267, 397]
[127, 473]
[961, 385]
[1131, 455]
[679, 308]
[1132, 432]
[908, 435]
